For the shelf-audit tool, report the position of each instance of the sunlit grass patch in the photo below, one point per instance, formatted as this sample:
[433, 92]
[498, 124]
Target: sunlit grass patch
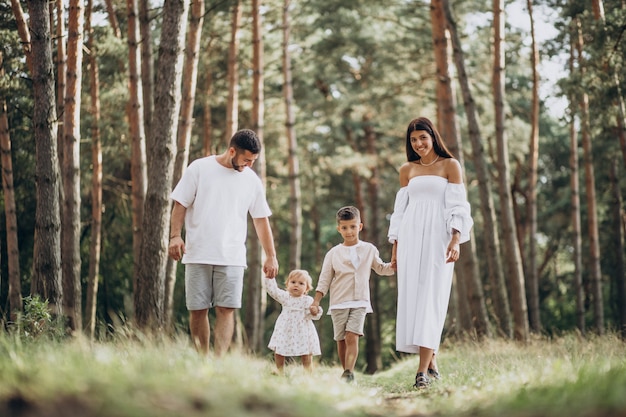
[136, 375]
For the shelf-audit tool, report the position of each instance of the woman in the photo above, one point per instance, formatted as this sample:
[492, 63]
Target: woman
[431, 218]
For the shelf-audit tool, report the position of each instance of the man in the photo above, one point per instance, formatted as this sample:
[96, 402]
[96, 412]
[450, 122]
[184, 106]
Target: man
[213, 199]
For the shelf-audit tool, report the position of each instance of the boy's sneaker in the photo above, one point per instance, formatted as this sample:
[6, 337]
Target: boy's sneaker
[347, 376]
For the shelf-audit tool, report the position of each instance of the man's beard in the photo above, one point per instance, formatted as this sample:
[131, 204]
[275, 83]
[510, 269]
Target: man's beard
[235, 166]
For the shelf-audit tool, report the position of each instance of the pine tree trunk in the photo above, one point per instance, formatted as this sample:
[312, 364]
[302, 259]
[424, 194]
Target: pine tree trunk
[499, 296]
[113, 19]
[149, 292]
[96, 182]
[295, 203]
[373, 342]
[515, 273]
[256, 299]
[468, 282]
[185, 123]
[147, 67]
[137, 135]
[232, 103]
[13, 255]
[47, 247]
[22, 30]
[618, 216]
[532, 281]
[575, 198]
[595, 272]
[70, 244]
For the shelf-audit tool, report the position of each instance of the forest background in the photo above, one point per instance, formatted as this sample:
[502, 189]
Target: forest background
[104, 104]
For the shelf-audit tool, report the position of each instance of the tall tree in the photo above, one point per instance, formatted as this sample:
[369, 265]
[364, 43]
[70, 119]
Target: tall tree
[491, 234]
[148, 295]
[619, 219]
[137, 135]
[295, 200]
[575, 193]
[70, 244]
[373, 342]
[185, 123]
[467, 273]
[22, 30]
[147, 66]
[256, 299]
[47, 249]
[532, 276]
[113, 18]
[96, 179]
[232, 104]
[13, 255]
[595, 272]
[515, 273]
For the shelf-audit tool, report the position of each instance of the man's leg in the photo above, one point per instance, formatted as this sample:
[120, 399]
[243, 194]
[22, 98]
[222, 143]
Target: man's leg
[200, 330]
[224, 329]
[352, 351]
[341, 351]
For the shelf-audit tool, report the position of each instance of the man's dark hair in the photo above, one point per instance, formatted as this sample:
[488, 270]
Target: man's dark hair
[348, 213]
[246, 140]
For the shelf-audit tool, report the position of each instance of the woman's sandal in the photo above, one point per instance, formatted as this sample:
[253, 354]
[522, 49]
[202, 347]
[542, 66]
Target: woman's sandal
[421, 381]
[433, 373]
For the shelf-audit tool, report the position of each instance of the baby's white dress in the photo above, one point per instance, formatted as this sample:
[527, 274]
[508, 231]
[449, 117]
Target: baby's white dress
[294, 332]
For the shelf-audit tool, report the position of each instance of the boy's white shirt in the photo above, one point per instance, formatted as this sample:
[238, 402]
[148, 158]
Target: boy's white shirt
[339, 267]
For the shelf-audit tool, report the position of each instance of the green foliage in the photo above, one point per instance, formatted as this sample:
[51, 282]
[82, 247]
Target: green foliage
[36, 321]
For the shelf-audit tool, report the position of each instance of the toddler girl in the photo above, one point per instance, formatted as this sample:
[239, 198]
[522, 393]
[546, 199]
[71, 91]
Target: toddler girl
[294, 332]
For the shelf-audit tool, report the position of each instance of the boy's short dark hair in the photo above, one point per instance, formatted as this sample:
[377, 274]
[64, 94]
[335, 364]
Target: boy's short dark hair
[348, 213]
[246, 140]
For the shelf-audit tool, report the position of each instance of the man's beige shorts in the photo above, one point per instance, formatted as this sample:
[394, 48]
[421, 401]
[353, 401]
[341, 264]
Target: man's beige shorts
[348, 320]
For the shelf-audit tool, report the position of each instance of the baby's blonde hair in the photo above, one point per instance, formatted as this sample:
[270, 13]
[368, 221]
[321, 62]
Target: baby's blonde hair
[303, 273]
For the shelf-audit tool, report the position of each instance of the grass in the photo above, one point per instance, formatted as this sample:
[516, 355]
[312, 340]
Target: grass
[567, 376]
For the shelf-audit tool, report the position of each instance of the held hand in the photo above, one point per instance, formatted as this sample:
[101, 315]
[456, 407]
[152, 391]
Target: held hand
[176, 248]
[453, 252]
[314, 310]
[270, 267]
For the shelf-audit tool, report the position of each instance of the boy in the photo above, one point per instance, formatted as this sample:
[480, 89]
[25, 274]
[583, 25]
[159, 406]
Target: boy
[346, 273]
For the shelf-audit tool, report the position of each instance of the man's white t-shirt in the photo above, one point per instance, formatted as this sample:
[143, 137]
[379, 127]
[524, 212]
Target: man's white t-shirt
[218, 200]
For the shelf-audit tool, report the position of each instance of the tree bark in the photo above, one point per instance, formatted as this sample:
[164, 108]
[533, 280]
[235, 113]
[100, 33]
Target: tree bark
[96, 182]
[47, 247]
[13, 254]
[185, 124]
[595, 272]
[256, 299]
[232, 103]
[137, 135]
[149, 293]
[70, 245]
[499, 296]
[511, 244]
[373, 342]
[113, 19]
[618, 217]
[575, 198]
[532, 281]
[147, 67]
[295, 203]
[468, 282]
[22, 30]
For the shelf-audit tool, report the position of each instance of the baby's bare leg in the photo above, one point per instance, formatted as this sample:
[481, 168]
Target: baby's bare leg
[307, 361]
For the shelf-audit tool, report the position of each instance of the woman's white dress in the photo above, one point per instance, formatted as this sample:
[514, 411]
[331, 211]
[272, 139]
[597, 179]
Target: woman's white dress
[294, 332]
[425, 212]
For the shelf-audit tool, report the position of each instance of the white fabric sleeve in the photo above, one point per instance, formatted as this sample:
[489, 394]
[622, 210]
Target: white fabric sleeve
[402, 201]
[457, 211]
[276, 293]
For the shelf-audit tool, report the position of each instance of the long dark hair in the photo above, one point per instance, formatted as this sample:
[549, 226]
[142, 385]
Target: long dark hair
[422, 123]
